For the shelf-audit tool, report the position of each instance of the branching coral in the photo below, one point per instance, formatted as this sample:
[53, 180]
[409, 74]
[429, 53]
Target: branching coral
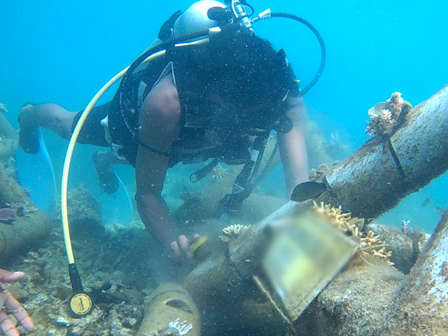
[368, 243]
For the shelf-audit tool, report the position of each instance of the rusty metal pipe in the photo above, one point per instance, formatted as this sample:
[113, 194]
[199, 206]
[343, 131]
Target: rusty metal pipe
[369, 183]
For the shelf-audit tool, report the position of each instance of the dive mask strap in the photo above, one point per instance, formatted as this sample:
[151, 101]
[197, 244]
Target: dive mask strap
[167, 29]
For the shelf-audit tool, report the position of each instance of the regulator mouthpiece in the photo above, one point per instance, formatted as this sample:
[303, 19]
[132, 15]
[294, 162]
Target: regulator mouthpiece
[220, 15]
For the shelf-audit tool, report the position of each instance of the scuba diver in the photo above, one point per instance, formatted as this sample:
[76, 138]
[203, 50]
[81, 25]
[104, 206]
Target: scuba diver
[216, 100]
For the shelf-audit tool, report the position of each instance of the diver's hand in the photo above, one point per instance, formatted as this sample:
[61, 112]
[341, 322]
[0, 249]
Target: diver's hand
[10, 303]
[180, 249]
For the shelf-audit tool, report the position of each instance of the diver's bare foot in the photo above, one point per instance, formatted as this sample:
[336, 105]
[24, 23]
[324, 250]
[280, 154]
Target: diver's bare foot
[29, 129]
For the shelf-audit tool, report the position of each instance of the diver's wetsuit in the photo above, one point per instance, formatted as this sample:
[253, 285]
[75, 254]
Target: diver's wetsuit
[209, 129]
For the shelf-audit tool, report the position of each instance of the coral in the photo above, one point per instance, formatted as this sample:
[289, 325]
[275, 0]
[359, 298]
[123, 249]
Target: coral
[405, 227]
[232, 231]
[218, 172]
[180, 329]
[388, 116]
[368, 243]
[396, 101]
[342, 221]
[7, 215]
[318, 175]
[381, 122]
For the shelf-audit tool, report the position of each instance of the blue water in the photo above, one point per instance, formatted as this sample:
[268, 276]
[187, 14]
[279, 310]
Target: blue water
[63, 52]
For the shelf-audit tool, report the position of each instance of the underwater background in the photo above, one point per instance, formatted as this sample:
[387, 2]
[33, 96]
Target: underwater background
[64, 52]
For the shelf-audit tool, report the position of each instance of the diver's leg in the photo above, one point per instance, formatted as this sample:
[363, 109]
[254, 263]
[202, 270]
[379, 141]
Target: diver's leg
[103, 161]
[51, 116]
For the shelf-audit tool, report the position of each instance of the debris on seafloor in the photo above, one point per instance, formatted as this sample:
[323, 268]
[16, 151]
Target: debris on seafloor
[167, 305]
[388, 116]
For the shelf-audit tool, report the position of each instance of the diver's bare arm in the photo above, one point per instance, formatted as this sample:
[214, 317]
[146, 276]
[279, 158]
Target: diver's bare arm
[159, 127]
[293, 148]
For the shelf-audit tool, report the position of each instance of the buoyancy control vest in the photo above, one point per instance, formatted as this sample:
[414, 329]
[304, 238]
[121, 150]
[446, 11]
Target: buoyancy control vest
[208, 129]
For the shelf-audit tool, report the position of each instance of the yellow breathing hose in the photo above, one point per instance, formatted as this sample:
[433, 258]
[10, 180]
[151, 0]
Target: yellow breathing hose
[67, 162]
[69, 155]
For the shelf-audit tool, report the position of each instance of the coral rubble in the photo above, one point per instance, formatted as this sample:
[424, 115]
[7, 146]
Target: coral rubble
[112, 273]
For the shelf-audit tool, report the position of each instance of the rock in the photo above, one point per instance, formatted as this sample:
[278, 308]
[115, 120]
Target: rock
[403, 253]
[20, 294]
[355, 302]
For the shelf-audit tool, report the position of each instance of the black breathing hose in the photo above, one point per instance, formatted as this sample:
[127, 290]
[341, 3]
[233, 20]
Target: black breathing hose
[315, 32]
